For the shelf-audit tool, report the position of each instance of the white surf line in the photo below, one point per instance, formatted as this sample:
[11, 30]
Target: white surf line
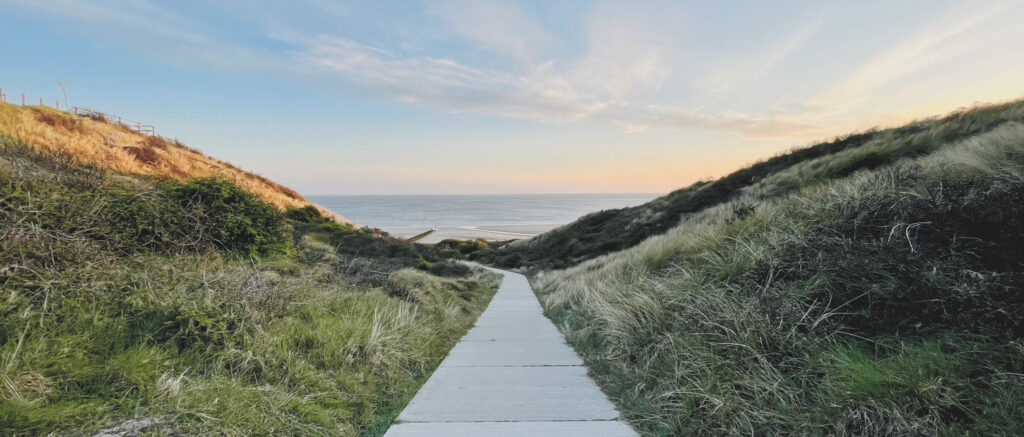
[479, 229]
[511, 375]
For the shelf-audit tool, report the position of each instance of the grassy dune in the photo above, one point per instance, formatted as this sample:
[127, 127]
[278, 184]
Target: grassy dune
[872, 290]
[112, 146]
[199, 306]
[613, 230]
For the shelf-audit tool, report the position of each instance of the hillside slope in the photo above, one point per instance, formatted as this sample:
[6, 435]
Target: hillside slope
[613, 230]
[147, 285]
[874, 290]
[195, 308]
[110, 145]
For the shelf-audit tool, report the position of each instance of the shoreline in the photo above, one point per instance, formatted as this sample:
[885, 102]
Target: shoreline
[486, 232]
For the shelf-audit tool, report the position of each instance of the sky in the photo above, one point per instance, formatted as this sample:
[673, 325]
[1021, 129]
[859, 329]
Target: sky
[487, 96]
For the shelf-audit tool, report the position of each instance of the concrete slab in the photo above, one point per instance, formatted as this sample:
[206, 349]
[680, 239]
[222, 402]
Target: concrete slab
[512, 310]
[493, 394]
[513, 333]
[595, 428]
[552, 352]
[512, 321]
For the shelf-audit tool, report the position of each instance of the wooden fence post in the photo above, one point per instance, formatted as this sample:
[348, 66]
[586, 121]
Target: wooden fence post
[22, 99]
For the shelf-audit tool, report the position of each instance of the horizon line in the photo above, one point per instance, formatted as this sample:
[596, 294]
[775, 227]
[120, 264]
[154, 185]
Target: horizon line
[491, 194]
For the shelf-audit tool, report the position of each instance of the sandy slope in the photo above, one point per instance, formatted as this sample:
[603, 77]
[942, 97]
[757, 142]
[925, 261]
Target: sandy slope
[121, 149]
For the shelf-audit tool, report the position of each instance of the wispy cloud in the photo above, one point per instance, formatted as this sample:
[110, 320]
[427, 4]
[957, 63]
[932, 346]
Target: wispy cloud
[504, 27]
[625, 72]
[671, 117]
[598, 86]
[750, 67]
[627, 55]
[140, 15]
[938, 42]
[542, 94]
[621, 63]
[158, 32]
[447, 84]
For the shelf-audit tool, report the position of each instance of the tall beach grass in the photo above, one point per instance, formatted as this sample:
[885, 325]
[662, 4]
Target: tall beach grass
[883, 302]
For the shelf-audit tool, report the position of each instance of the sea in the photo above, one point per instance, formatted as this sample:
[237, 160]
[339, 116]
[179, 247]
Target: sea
[392, 211]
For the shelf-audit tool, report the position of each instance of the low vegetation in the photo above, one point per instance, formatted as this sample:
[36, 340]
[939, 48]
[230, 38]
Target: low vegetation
[369, 254]
[872, 290]
[613, 230]
[196, 308]
[461, 249]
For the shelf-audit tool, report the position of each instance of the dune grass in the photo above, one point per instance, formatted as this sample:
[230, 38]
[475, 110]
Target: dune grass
[200, 306]
[885, 301]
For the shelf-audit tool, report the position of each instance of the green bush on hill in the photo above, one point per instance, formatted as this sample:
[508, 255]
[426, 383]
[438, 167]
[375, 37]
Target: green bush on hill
[461, 249]
[306, 214]
[230, 217]
[71, 206]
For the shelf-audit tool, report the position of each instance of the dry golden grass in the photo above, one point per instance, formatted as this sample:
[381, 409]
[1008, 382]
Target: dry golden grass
[120, 149]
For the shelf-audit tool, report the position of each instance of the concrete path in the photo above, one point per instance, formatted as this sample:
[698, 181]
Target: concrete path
[511, 375]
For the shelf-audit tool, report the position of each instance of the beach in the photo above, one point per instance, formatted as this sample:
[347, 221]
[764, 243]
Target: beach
[488, 232]
[470, 216]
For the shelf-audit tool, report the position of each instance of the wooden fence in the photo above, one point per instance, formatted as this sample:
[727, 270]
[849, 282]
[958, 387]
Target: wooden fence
[132, 124]
[138, 126]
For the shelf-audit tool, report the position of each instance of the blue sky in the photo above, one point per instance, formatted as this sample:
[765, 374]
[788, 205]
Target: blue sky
[483, 96]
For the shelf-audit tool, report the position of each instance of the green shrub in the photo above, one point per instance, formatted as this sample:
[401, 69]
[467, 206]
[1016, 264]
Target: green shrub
[148, 221]
[229, 217]
[306, 214]
[97, 214]
[463, 247]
